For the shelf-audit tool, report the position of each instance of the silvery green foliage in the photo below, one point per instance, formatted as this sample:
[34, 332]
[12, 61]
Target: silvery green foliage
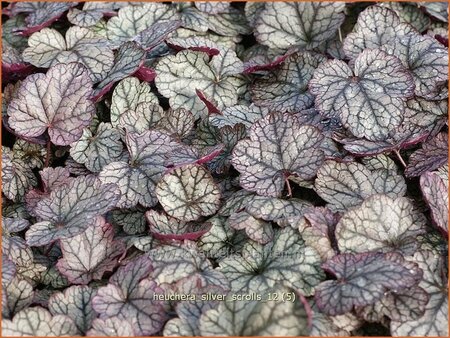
[224, 168]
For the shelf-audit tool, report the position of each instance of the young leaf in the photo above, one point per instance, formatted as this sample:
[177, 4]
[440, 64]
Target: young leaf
[286, 88]
[48, 48]
[58, 101]
[278, 147]
[129, 296]
[380, 223]
[90, 254]
[76, 303]
[435, 191]
[285, 259]
[370, 100]
[127, 95]
[362, 279]
[188, 193]
[253, 317]
[302, 24]
[69, 210]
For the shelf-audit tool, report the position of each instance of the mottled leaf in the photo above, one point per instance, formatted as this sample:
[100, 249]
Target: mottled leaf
[256, 229]
[17, 176]
[255, 317]
[129, 296]
[127, 95]
[36, 321]
[370, 100]
[180, 75]
[425, 58]
[434, 321]
[345, 185]
[132, 20]
[111, 327]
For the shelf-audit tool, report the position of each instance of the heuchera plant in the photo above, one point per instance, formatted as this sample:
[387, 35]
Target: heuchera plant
[216, 168]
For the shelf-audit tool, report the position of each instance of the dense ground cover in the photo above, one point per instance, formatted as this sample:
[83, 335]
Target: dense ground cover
[214, 169]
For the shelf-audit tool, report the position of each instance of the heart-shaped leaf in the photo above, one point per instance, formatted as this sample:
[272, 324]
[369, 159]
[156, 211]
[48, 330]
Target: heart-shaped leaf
[97, 150]
[138, 177]
[180, 75]
[76, 303]
[188, 193]
[370, 100]
[69, 210]
[381, 223]
[376, 27]
[286, 88]
[90, 254]
[284, 259]
[302, 24]
[422, 56]
[278, 147]
[129, 296]
[48, 48]
[345, 185]
[362, 279]
[132, 20]
[57, 101]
